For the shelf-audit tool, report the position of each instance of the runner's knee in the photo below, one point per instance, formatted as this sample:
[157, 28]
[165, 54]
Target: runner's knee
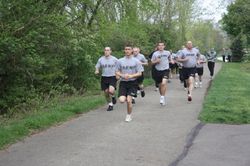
[122, 99]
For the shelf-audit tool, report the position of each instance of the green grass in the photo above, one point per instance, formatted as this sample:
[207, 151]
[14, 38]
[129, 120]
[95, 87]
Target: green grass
[17, 127]
[148, 81]
[228, 100]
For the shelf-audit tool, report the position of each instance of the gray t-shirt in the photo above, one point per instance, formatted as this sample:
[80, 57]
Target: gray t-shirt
[107, 65]
[193, 56]
[203, 59]
[129, 65]
[142, 59]
[165, 57]
[211, 56]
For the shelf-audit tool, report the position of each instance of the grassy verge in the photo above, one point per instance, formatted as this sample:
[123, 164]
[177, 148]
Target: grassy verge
[228, 100]
[16, 128]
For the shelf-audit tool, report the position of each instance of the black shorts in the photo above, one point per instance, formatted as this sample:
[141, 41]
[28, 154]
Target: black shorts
[188, 72]
[173, 66]
[108, 81]
[140, 79]
[159, 75]
[128, 88]
[199, 70]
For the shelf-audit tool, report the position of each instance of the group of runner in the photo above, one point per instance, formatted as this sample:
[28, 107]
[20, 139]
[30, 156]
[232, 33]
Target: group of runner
[129, 71]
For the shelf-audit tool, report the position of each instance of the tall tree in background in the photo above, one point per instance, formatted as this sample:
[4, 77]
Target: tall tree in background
[237, 24]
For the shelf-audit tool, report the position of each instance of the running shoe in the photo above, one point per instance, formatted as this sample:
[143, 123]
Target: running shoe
[113, 100]
[142, 93]
[162, 101]
[196, 84]
[128, 118]
[189, 97]
[200, 84]
[110, 108]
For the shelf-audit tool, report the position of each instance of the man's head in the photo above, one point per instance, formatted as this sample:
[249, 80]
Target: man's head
[136, 50]
[107, 51]
[189, 45]
[128, 50]
[161, 46]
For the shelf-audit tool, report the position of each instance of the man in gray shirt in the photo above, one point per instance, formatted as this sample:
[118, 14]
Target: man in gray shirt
[107, 64]
[128, 69]
[189, 57]
[144, 62]
[161, 60]
[211, 58]
[199, 71]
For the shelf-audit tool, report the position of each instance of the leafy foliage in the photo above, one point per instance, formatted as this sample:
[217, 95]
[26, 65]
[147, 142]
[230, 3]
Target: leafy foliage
[237, 24]
[49, 48]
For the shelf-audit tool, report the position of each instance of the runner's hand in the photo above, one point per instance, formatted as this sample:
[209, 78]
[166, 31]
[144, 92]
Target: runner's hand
[126, 76]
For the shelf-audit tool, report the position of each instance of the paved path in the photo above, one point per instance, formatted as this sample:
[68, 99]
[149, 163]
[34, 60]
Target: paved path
[220, 145]
[155, 137]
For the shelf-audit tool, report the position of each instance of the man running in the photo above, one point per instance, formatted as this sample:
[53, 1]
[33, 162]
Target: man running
[181, 77]
[161, 59]
[128, 69]
[144, 62]
[211, 57]
[189, 57]
[199, 71]
[107, 64]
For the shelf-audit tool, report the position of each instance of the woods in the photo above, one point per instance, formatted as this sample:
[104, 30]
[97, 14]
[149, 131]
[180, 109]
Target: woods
[49, 48]
[237, 25]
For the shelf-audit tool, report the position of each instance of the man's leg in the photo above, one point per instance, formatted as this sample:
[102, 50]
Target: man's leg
[200, 79]
[190, 83]
[112, 94]
[196, 79]
[122, 99]
[129, 105]
[108, 99]
[212, 69]
[163, 89]
[107, 96]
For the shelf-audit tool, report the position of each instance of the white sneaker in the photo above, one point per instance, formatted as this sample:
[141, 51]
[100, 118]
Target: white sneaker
[128, 118]
[196, 84]
[162, 101]
[200, 84]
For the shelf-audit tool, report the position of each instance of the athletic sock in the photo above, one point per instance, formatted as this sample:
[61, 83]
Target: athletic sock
[111, 104]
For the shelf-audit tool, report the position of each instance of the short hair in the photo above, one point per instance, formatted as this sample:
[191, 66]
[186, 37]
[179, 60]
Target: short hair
[128, 45]
[107, 48]
[160, 42]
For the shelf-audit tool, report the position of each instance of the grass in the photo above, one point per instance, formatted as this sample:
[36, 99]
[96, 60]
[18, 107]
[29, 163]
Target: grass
[228, 100]
[16, 129]
[58, 111]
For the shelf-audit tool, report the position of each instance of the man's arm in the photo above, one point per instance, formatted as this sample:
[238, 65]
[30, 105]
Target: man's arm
[97, 71]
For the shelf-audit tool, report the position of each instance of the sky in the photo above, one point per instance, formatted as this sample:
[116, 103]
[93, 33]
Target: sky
[212, 9]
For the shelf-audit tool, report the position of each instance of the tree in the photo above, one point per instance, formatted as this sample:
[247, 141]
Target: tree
[237, 24]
